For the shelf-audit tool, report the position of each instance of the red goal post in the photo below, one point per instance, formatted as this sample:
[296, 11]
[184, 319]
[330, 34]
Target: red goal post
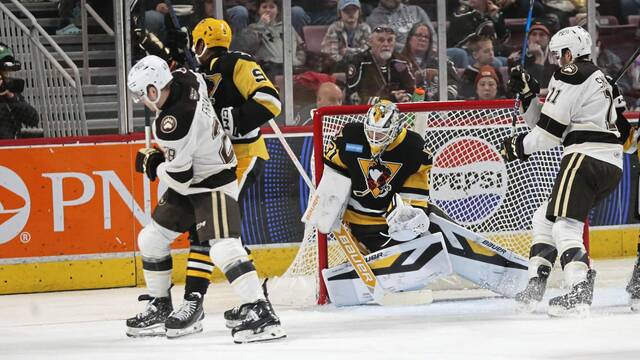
[469, 180]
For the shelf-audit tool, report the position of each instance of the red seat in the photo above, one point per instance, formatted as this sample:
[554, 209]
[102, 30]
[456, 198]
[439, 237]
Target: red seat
[313, 35]
[621, 39]
[634, 20]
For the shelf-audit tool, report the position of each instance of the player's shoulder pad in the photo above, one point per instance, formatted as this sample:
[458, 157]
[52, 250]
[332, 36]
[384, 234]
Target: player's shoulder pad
[174, 122]
[227, 62]
[575, 73]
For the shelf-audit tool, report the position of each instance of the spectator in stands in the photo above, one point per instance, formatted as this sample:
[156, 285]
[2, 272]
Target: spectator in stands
[562, 10]
[630, 7]
[400, 17]
[518, 8]
[66, 8]
[478, 17]
[328, 94]
[14, 110]
[266, 39]
[486, 83]
[154, 16]
[313, 12]
[481, 48]
[380, 72]
[424, 62]
[538, 62]
[238, 14]
[347, 36]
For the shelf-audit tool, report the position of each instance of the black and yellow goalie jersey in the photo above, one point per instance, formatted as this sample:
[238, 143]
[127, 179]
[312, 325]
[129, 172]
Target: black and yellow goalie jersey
[235, 80]
[403, 168]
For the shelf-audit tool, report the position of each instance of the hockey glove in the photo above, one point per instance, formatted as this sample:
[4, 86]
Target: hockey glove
[151, 45]
[520, 82]
[619, 103]
[512, 148]
[228, 123]
[147, 161]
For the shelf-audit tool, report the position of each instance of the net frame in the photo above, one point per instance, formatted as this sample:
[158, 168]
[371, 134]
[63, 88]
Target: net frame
[489, 120]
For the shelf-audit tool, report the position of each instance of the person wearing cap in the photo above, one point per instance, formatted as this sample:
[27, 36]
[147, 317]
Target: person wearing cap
[400, 17]
[538, 62]
[348, 35]
[15, 111]
[379, 73]
[486, 83]
[481, 48]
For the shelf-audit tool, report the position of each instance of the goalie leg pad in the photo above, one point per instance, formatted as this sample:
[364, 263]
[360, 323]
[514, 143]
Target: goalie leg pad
[573, 256]
[329, 201]
[405, 267]
[231, 257]
[154, 242]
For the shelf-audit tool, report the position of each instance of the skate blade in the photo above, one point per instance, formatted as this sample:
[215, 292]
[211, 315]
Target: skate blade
[230, 324]
[269, 333]
[149, 331]
[176, 333]
[579, 311]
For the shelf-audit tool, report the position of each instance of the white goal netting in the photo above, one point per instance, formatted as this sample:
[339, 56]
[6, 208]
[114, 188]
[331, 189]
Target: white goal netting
[469, 181]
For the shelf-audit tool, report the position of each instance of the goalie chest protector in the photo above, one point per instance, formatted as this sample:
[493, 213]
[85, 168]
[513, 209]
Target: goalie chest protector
[375, 182]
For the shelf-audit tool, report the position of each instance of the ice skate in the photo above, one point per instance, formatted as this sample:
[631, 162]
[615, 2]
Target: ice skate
[577, 302]
[150, 322]
[187, 319]
[633, 288]
[529, 298]
[238, 314]
[261, 324]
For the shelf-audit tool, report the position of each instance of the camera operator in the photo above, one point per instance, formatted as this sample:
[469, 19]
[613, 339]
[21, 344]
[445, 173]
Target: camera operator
[14, 110]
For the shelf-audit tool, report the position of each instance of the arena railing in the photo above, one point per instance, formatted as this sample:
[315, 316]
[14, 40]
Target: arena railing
[54, 91]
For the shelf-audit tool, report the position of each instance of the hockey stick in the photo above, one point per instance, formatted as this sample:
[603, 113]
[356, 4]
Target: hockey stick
[147, 116]
[626, 66]
[525, 45]
[293, 157]
[357, 260]
[176, 23]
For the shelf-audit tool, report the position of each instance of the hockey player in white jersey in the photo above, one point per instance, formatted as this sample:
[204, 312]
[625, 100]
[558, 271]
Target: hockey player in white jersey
[197, 163]
[579, 113]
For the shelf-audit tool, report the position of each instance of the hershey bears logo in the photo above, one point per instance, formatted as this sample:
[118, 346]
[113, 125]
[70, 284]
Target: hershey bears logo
[378, 175]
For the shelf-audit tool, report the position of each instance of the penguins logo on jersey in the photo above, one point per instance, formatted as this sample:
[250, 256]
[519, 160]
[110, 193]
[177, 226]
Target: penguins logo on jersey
[168, 124]
[378, 175]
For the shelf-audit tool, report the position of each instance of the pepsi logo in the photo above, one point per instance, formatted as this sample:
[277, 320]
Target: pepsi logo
[468, 180]
[15, 204]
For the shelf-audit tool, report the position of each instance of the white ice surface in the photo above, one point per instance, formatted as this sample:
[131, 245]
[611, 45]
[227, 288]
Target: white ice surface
[89, 325]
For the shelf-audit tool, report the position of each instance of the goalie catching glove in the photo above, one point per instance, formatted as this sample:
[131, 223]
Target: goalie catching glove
[406, 222]
[148, 160]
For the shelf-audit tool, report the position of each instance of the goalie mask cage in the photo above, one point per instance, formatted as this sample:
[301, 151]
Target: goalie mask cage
[469, 181]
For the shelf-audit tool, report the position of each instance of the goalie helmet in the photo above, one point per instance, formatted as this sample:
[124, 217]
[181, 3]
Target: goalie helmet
[574, 38]
[149, 72]
[382, 124]
[210, 33]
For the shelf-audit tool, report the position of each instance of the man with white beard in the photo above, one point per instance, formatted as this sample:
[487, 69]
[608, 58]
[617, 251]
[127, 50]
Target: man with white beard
[379, 73]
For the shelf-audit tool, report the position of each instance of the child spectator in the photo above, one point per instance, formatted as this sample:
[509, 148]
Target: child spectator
[267, 38]
[481, 48]
[348, 35]
[486, 83]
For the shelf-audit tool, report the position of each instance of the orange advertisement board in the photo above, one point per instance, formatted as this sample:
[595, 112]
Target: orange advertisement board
[72, 200]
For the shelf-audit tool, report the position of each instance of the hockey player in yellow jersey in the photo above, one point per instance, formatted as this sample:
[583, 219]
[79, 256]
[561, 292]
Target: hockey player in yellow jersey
[244, 99]
[376, 181]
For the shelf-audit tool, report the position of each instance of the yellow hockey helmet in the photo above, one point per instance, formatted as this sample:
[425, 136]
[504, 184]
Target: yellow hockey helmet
[213, 33]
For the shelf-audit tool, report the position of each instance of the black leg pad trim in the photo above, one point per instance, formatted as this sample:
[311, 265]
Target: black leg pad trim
[157, 265]
[238, 270]
[573, 254]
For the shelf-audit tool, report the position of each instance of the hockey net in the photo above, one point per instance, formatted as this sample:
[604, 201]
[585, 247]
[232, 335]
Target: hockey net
[469, 181]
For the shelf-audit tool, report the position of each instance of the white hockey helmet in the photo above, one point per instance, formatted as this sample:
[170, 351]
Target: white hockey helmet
[382, 124]
[149, 72]
[574, 38]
